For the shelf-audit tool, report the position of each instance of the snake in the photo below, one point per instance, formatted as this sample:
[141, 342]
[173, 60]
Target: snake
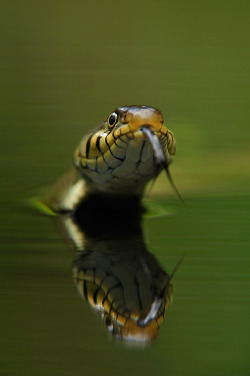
[116, 159]
[112, 269]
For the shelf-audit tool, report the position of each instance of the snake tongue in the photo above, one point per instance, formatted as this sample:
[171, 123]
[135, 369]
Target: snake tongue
[156, 146]
[160, 156]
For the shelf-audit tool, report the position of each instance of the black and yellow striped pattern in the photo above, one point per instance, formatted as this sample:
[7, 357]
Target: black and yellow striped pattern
[130, 290]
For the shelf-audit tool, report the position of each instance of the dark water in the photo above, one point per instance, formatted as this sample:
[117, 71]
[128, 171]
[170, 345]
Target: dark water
[64, 67]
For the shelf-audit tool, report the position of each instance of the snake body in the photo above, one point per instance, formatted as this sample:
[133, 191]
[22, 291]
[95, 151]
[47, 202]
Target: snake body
[116, 159]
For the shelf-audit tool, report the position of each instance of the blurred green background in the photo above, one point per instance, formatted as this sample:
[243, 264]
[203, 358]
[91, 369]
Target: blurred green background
[65, 66]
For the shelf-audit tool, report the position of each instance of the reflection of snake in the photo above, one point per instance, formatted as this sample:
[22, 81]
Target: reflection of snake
[117, 159]
[114, 272]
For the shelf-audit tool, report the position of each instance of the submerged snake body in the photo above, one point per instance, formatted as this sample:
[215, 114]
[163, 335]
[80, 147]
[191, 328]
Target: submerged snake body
[117, 159]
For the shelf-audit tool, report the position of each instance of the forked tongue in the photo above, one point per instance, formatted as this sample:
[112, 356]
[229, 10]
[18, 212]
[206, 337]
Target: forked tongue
[160, 157]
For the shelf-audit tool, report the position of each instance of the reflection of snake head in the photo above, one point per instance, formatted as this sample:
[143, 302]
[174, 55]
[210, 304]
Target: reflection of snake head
[113, 270]
[126, 151]
[120, 279]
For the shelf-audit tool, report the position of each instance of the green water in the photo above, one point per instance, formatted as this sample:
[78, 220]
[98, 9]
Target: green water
[64, 67]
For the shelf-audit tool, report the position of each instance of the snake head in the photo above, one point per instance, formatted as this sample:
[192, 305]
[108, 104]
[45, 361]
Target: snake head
[135, 118]
[130, 148]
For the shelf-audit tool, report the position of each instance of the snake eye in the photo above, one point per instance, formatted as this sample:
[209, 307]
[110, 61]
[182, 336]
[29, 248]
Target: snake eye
[113, 119]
